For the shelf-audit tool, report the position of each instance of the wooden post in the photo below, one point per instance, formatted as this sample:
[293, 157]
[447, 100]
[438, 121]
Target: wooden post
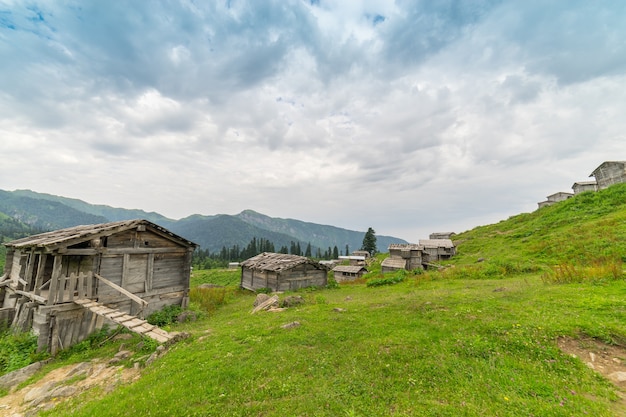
[54, 280]
[40, 271]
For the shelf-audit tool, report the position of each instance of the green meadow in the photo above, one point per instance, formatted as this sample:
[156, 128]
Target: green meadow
[478, 337]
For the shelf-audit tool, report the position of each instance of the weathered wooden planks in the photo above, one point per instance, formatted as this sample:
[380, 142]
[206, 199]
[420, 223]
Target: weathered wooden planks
[132, 323]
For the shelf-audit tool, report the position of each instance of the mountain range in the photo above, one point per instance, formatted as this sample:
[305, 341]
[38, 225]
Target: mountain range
[32, 212]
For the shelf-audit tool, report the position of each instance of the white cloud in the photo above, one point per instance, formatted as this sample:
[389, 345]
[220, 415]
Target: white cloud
[405, 116]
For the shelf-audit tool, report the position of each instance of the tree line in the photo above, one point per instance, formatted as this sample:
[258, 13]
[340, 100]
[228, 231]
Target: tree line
[205, 259]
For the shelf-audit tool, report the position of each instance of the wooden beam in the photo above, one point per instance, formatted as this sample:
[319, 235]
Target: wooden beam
[122, 290]
[32, 296]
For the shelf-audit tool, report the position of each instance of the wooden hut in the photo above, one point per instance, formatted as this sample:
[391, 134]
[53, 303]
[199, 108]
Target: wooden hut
[582, 186]
[411, 253]
[348, 272]
[281, 272]
[390, 264]
[555, 198]
[68, 283]
[437, 249]
[609, 173]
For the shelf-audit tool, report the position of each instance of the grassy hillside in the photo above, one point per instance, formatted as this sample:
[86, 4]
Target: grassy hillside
[586, 230]
[476, 339]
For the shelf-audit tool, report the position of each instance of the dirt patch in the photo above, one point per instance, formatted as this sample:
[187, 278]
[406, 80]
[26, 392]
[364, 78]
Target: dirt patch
[64, 383]
[607, 360]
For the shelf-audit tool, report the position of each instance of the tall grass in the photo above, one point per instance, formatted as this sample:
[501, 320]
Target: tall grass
[209, 299]
[600, 270]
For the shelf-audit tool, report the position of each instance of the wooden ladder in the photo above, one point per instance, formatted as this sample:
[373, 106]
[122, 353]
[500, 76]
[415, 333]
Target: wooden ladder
[132, 323]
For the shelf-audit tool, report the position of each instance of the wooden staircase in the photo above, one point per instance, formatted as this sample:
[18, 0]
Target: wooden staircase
[132, 323]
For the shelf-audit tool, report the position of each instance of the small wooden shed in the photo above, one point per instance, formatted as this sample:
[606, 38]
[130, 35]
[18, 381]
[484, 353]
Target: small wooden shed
[609, 173]
[437, 249]
[282, 272]
[411, 253]
[348, 272]
[68, 283]
[582, 186]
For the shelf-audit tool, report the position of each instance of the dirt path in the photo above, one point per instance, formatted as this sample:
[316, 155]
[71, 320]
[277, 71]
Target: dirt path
[607, 360]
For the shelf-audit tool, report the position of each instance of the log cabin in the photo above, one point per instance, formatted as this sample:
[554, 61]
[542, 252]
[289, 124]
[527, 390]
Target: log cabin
[282, 272]
[68, 283]
[609, 173]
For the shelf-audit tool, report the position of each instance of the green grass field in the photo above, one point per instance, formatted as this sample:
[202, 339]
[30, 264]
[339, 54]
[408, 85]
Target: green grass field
[428, 346]
[475, 339]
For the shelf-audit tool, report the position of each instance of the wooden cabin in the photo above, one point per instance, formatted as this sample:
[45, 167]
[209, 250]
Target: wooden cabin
[411, 253]
[437, 249]
[391, 264]
[582, 186]
[555, 198]
[282, 272]
[345, 273]
[609, 173]
[68, 283]
[365, 254]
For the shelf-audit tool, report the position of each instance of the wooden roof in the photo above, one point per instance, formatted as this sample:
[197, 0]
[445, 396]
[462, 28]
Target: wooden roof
[276, 262]
[76, 234]
[350, 269]
[405, 246]
[593, 174]
[394, 263]
[436, 243]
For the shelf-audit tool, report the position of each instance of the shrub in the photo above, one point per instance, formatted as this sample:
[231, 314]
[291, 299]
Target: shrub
[17, 351]
[165, 316]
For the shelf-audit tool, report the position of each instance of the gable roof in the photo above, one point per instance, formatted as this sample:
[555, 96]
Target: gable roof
[350, 269]
[276, 262]
[603, 164]
[436, 243]
[394, 263]
[76, 234]
[405, 246]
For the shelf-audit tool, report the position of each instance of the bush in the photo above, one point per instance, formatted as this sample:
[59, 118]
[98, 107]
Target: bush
[167, 315]
[17, 351]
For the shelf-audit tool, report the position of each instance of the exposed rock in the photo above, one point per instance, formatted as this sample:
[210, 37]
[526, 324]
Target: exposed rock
[291, 325]
[267, 304]
[13, 379]
[187, 316]
[260, 299]
[619, 376]
[40, 392]
[123, 336]
[339, 310]
[120, 356]
[292, 300]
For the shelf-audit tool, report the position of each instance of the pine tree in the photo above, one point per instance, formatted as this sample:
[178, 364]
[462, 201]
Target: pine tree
[369, 241]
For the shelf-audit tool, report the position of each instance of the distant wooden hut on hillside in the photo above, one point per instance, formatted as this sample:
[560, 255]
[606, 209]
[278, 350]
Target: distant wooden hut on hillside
[609, 173]
[348, 272]
[582, 186]
[281, 272]
[555, 198]
[437, 249]
[68, 283]
[411, 253]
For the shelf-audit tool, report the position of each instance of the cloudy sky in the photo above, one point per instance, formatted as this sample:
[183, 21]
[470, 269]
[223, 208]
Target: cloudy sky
[407, 116]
